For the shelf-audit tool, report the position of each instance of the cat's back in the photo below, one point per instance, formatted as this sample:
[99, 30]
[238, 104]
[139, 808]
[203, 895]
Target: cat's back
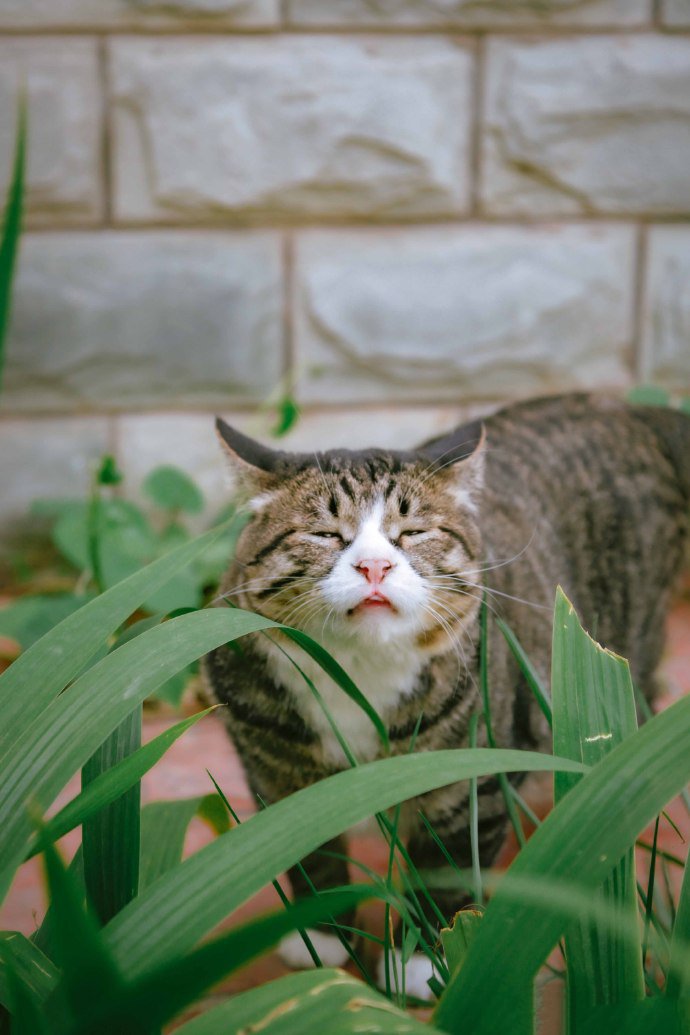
[554, 455]
[594, 494]
[588, 441]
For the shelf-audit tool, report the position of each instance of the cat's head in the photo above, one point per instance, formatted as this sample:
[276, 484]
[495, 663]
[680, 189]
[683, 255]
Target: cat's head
[372, 546]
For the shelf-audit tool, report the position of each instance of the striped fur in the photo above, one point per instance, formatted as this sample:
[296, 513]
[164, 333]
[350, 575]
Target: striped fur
[580, 491]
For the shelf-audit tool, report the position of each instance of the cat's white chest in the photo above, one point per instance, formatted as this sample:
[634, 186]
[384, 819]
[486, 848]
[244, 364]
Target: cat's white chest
[384, 676]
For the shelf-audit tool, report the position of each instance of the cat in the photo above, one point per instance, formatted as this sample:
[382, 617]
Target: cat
[383, 555]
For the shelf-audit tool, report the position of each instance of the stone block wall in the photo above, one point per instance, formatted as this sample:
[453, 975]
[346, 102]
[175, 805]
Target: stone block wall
[411, 210]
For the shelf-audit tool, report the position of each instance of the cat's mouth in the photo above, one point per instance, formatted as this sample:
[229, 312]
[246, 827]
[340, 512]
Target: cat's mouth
[374, 601]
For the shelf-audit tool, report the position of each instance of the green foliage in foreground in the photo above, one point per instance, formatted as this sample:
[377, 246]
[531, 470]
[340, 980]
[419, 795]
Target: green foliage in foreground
[12, 225]
[104, 539]
[65, 703]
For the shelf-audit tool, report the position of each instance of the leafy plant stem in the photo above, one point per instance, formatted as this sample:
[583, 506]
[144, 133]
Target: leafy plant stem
[650, 894]
[309, 945]
[94, 528]
[524, 807]
[533, 681]
[474, 823]
[9, 245]
[387, 924]
[678, 983]
[504, 783]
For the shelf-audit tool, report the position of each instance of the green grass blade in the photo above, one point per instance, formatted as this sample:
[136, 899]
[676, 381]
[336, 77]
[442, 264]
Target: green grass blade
[339, 676]
[652, 1017]
[9, 244]
[158, 996]
[35, 971]
[528, 670]
[44, 937]
[327, 1001]
[577, 844]
[474, 824]
[111, 784]
[647, 898]
[74, 724]
[26, 1016]
[188, 902]
[163, 829]
[111, 836]
[457, 938]
[679, 977]
[593, 697]
[484, 664]
[593, 711]
[47, 667]
[276, 884]
[87, 970]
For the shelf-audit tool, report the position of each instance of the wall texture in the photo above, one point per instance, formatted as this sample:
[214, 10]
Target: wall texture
[415, 209]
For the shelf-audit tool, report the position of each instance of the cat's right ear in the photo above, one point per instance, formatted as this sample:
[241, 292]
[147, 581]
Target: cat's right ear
[252, 466]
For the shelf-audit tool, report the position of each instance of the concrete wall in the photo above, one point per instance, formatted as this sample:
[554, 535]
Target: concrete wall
[417, 209]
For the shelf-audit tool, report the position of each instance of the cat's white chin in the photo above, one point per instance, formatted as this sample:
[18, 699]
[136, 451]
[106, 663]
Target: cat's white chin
[376, 625]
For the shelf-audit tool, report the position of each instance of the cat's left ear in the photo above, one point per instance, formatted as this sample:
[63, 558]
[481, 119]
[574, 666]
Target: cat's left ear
[254, 468]
[458, 459]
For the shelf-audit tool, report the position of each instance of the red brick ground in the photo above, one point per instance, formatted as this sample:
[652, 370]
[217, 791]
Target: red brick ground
[181, 773]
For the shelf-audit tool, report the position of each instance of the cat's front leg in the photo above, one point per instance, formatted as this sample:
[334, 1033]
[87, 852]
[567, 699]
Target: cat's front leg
[322, 870]
[447, 813]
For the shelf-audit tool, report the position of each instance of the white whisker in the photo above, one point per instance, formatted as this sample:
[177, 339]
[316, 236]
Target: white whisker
[489, 589]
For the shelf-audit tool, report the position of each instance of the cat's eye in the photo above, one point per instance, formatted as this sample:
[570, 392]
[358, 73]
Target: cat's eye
[323, 534]
[409, 535]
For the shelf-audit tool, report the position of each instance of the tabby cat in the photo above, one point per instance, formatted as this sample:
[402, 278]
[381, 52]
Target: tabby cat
[382, 556]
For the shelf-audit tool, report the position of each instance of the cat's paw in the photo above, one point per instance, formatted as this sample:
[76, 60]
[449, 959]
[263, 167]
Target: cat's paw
[418, 970]
[329, 948]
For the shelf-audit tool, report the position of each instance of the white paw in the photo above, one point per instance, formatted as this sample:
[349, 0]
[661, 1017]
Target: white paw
[418, 970]
[329, 948]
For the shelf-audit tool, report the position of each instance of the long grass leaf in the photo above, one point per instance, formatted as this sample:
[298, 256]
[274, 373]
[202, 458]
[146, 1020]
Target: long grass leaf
[528, 670]
[9, 244]
[652, 1017]
[484, 662]
[308, 944]
[44, 937]
[26, 1016]
[155, 998]
[44, 670]
[459, 936]
[578, 844]
[87, 970]
[111, 837]
[474, 824]
[188, 902]
[163, 828]
[593, 711]
[327, 1001]
[112, 783]
[679, 978]
[72, 726]
[35, 971]
[339, 676]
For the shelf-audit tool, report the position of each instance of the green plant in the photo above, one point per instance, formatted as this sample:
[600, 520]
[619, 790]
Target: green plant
[103, 539]
[61, 702]
[652, 395]
[9, 243]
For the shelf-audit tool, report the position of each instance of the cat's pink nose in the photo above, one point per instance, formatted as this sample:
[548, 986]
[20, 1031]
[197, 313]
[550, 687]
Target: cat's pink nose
[374, 570]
